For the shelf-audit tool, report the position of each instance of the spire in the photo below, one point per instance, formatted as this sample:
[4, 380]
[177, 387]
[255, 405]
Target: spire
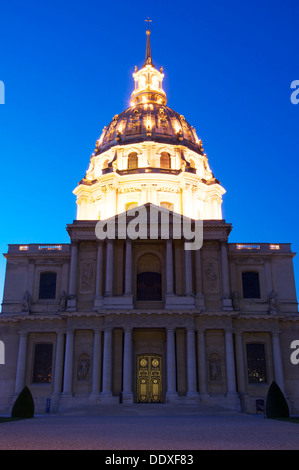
[148, 80]
[148, 53]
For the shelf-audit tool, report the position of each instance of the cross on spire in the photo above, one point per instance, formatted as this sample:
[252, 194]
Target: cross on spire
[148, 22]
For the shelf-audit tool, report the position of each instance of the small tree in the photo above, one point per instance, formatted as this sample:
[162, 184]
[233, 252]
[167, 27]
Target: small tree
[276, 404]
[24, 405]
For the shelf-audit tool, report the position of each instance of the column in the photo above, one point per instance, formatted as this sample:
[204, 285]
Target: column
[99, 274]
[188, 273]
[128, 268]
[64, 277]
[98, 302]
[71, 303]
[199, 300]
[21, 366]
[107, 364]
[58, 371]
[226, 297]
[96, 367]
[268, 275]
[230, 363]
[169, 268]
[171, 393]
[191, 364]
[240, 366]
[109, 269]
[201, 350]
[278, 368]
[68, 363]
[73, 268]
[127, 394]
[30, 276]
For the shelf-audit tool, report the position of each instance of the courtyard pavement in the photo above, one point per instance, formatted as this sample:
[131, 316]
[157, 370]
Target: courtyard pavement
[149, 427]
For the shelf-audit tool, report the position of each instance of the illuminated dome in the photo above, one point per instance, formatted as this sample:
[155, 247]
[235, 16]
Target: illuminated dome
[149, 121]
[149, 154]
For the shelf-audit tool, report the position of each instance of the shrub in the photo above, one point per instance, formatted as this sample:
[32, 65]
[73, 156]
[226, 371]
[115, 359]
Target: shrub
[276, 404]
[24, 405]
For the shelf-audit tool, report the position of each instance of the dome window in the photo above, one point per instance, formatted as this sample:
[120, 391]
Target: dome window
[132, 161]
[167, 205]
[131, 205]
[165, 160]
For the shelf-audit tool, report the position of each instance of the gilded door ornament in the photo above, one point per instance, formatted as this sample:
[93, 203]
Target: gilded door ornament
[149, 379]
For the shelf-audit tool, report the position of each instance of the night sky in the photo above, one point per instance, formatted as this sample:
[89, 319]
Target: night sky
[67, 69]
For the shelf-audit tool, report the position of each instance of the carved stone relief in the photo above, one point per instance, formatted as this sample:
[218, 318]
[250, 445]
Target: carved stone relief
[83, 367]
[211, 276]
[87, 276]
[215, 368]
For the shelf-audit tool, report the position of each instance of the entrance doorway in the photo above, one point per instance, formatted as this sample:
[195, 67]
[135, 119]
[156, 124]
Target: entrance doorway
[149, 378]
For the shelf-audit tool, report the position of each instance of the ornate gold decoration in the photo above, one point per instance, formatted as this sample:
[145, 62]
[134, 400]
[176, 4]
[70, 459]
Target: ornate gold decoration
[149, 379]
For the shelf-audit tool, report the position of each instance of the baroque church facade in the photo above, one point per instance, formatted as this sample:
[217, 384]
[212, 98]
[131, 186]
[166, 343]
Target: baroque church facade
[140, 319]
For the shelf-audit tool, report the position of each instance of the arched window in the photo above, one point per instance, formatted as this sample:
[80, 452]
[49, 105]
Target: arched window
[132, 161]
[192, 164]
[165, 160]
[167, 205]
[251, 285]
[149, 279]
[47, 285]
[105, 164]
[131, 205]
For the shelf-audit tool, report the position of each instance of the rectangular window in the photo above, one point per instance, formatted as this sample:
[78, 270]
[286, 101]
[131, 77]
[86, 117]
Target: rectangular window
[47, 286]
[251, 285]
[42, 364]
[256, 363]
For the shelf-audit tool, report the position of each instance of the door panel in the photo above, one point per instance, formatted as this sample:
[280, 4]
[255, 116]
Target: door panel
[149, 378]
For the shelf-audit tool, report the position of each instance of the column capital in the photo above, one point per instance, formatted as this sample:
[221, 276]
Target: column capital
[108, 329]
[228, 329]
[24, 333]
[127, 329]
[238, 333]
[190, 329]
[200, 329]
[97, 330]
[170, 328]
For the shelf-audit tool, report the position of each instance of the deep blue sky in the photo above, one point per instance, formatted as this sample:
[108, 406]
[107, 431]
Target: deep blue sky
[67, 69]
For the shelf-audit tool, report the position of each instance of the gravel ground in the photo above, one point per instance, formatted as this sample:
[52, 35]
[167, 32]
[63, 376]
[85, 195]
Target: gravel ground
[149, 429]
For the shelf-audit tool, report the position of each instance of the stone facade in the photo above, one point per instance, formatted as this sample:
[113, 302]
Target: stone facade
[200, 327]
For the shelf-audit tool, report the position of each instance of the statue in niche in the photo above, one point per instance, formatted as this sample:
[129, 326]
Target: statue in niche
[27, 301]
[215, 368]
[63, 301]
[236, 300]
[273, 302]
[83, 367]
